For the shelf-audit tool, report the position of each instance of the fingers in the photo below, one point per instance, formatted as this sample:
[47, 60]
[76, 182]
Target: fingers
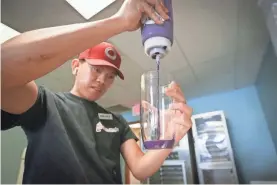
[181, 127]
[175, 95]
[150, 12]
[148, 107]
[183, 114]
[183, 108]
[156, 10]
[175, 92]
[184, 123]
[161, 9]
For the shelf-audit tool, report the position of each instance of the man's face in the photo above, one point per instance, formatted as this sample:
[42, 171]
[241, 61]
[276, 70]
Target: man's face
[92, 81]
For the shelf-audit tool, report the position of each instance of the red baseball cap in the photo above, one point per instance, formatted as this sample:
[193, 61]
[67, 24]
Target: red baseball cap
[103, 54]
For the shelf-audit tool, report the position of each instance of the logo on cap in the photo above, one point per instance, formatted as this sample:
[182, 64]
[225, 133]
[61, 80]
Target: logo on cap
[110, 53]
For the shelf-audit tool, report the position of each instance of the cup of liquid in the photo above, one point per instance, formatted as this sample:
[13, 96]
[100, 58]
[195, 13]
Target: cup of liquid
[155, 117]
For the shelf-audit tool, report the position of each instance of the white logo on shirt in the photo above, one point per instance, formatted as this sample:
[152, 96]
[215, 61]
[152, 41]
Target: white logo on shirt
[100, 127]
[104, 116]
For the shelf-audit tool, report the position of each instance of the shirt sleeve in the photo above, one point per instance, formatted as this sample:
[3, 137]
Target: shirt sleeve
[32, 118]
[127, 132]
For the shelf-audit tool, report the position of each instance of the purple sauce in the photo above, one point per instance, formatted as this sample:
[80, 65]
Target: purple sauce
[159, 144]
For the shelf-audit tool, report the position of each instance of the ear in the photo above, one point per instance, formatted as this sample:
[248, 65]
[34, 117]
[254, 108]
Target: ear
[75, 66]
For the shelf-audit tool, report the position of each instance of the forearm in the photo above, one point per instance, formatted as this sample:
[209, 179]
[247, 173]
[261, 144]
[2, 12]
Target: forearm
[35, 53]
[150, 163]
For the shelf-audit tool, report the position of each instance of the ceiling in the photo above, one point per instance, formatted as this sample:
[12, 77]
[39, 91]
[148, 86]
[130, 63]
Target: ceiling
[218, 45]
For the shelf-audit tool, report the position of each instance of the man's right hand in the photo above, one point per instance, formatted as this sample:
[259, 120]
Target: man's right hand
[132, 11]
[35, 53]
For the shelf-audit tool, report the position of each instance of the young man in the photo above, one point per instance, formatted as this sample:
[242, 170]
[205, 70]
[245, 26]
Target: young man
[71, 139]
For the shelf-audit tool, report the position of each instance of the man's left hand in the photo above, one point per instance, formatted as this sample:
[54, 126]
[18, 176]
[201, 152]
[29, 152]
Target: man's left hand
[179, 112]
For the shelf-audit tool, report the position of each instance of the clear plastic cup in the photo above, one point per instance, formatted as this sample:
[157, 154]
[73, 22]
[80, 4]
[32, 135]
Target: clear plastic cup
[155, 118]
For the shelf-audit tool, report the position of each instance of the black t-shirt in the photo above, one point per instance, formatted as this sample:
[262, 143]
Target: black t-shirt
[70, 140]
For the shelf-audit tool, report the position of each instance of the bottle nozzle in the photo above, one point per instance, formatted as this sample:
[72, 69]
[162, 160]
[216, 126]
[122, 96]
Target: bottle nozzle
[157, 46]
[157, 52]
